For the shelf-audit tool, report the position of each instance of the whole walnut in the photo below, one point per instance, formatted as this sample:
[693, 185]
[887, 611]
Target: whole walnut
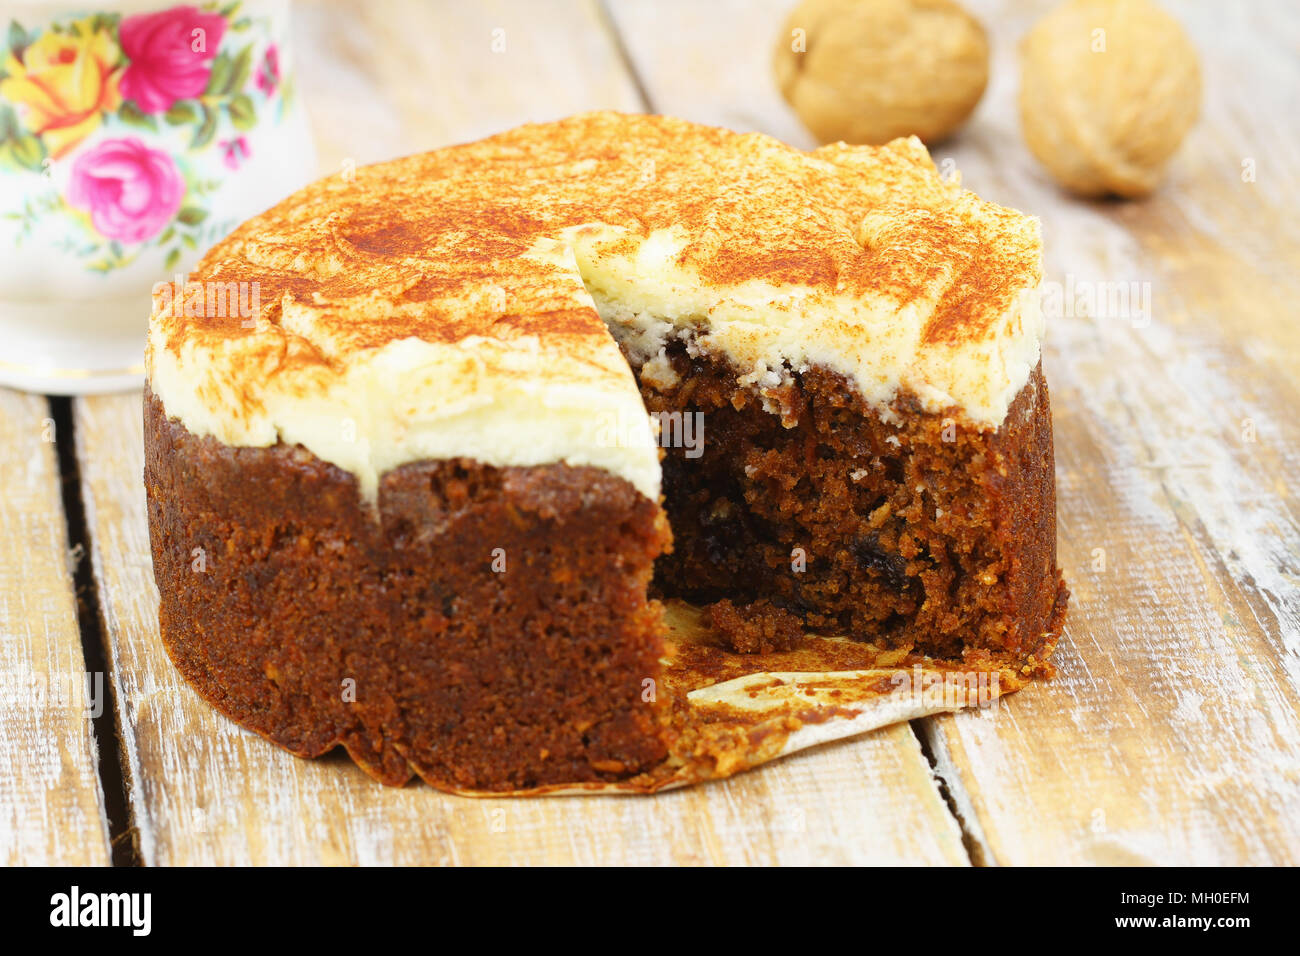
[867, 71]
[1108, 90]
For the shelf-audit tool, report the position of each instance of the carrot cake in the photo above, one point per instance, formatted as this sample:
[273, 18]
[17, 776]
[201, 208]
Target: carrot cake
[493, 402]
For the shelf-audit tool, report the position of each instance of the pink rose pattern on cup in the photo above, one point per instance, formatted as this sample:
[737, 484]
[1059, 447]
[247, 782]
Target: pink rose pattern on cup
[170, 56]
[130, 190]
[194, 70]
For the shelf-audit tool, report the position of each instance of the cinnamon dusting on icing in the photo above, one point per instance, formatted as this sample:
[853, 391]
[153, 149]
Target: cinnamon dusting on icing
[861, 258]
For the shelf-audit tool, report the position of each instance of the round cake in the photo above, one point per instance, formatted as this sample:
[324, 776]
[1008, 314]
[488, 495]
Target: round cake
[427, 443]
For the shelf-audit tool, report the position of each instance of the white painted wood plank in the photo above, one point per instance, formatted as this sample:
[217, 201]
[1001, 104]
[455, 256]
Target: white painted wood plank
[385, 79]
[711, 62]
[51, 809]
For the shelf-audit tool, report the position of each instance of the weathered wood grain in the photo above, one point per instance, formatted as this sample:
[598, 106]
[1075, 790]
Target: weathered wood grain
[1173, 732]
[385, 79]
[51, 808]
[204, 791]
[711, 63]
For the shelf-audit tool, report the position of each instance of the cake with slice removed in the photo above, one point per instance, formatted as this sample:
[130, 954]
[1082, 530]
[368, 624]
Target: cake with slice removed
[413, 503]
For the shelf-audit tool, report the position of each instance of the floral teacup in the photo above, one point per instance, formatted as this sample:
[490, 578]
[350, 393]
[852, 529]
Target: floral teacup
[132, 137]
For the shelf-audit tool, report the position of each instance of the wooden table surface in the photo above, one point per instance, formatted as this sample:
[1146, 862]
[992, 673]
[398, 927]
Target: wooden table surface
[1170, 736]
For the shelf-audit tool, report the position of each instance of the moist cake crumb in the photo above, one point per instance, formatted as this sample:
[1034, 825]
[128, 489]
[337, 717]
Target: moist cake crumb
[486, 628]
[919, 533]
[759, 627]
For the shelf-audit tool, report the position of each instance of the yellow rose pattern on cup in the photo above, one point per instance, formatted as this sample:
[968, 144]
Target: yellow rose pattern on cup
[66, 82]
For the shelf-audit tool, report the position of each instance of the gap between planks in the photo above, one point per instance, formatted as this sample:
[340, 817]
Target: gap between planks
[94, 646]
